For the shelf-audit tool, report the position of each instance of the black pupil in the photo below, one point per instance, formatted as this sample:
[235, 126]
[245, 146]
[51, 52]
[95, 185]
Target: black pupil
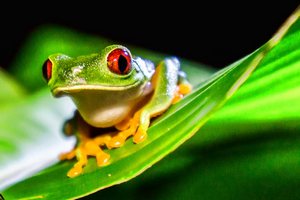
[122, 62]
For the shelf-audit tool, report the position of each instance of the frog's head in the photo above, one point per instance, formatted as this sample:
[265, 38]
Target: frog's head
[113, 68]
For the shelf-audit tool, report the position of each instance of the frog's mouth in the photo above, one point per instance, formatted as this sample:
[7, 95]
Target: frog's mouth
[60, 91]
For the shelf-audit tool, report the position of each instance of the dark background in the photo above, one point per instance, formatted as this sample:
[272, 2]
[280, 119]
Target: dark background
[209, 32]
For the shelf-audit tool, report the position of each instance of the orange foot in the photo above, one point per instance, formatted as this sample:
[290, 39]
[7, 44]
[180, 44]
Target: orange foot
[132, 130]
[90, 147]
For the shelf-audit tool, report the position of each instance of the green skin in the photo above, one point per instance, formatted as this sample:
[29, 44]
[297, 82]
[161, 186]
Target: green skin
[104, 98]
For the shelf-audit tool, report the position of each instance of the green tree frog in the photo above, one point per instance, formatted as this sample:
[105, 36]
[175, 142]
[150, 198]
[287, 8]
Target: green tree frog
[116, 95]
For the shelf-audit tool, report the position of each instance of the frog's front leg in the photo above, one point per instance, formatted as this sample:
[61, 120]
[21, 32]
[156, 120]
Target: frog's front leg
[170, 85]
[86, 145]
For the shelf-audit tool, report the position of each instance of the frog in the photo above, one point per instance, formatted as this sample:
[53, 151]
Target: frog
[116, 95]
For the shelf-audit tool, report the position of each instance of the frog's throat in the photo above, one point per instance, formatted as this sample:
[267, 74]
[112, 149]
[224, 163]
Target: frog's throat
[59, 91]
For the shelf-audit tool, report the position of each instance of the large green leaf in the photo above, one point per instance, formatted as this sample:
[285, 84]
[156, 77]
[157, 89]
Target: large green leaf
[170, 131]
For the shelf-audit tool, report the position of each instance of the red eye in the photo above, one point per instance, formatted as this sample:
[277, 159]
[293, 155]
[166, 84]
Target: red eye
[47, 69]
[119, 61]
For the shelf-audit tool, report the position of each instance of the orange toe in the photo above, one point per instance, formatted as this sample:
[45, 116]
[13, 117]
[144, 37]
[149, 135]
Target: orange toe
[75, 171]
[102, 159]
[139, 136]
